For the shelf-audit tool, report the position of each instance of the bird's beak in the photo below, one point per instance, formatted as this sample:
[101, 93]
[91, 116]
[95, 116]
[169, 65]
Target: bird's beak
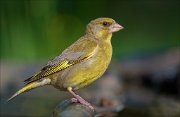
[115, 27]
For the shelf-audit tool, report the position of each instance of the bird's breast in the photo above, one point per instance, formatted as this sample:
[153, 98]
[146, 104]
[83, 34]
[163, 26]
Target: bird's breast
[84, 73]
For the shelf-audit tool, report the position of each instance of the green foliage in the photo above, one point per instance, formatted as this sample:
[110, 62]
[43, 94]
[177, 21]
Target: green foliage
[38, 29]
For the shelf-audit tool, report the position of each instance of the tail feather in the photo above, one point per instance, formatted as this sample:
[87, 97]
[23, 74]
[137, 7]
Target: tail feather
[30, 86]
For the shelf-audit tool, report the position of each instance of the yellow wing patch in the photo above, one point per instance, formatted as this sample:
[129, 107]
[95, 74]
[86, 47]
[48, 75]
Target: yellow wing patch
[49, 70]
[62, 65]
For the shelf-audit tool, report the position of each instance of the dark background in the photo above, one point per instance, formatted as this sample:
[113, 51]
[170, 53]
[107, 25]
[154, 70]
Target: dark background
[145, 60]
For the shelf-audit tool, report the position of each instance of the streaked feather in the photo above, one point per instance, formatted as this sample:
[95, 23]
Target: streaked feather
[65, 60]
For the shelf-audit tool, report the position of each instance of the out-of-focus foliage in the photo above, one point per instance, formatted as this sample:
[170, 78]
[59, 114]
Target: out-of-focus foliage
[33, 31]
[36, 29]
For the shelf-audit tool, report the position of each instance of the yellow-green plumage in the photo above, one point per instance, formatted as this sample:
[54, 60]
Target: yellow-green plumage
[81, 63]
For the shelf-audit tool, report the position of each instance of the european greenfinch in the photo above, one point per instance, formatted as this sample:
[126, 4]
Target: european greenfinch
[80, 64]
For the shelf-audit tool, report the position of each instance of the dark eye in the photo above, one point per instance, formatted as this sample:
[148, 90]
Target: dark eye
[106, 24]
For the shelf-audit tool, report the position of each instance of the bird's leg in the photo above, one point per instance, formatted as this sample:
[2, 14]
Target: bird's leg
[79, 99]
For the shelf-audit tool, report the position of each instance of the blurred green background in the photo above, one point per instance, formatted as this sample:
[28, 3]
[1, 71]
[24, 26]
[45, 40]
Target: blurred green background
[40, 29]
[33, 31]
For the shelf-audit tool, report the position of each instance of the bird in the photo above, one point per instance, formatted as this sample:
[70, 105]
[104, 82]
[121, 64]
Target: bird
[80, 64]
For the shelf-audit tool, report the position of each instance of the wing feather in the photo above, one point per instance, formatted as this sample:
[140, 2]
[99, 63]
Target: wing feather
[65, 60]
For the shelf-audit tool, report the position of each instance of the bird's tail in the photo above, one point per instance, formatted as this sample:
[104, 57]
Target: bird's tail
[30, 86]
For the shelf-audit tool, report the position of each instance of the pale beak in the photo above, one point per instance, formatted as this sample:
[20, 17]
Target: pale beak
[115, 27]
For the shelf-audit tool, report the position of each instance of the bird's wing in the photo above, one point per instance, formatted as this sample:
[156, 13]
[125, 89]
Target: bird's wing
[65, 60]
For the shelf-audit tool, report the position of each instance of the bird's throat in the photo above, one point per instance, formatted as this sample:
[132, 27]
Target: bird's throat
[104, 37]
[108, 37]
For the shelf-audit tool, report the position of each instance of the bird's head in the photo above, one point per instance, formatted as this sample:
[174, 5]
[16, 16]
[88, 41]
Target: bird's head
[102, 27]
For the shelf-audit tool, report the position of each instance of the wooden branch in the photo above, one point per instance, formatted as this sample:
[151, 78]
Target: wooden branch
[69, 109]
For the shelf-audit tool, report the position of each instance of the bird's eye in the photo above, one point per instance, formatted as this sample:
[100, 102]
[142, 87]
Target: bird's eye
[106, 24]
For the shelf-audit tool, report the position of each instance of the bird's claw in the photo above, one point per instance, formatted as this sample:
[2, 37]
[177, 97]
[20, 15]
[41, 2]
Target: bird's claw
[82, 101]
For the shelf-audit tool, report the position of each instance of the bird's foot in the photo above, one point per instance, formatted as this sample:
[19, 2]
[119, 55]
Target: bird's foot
[82, 101]
[79, 99]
